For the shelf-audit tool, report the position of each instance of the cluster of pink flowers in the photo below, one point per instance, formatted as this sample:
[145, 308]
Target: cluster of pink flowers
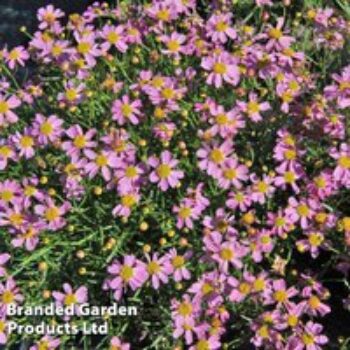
[227, 137]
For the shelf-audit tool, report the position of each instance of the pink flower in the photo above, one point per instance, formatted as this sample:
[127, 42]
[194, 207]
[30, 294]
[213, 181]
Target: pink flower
[212, 157]
[125, 110]
[341, 172]
[47, 129]
[219, 28]
[279, 293]
[165, 174]
[25, 143]
[117, 344]
[6, 106]
[158, 269]
[102, 162]
[52, 213]
[174, 44]
[313, 243]
[222, 67]
[178, 264]
[70, 297]
[132, 273]
[302, 211]
[18, 55]
[47, 343]
[80, 141]
[4, 258]
[253, 107]
[127, 201]
[9, 294]
[114, 36]
[6, 152]
[186, 213]
[232, 174]
[48, 16]
[225, 253]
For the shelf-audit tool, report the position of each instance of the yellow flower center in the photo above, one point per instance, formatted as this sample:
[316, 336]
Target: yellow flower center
[279, 222]
[6, 195]
[202, 345]
[344, 85]
[70, 299]
[280, 296]
[153, 268]
[178, 261]
[71, 94]
[163, 15]
[126, 273]
[16, 219]
[168, 93]
[314, 302]
[220, 68]
[320, 182]
[43, 345]
[131, 172]
[230, 174]
[217, 156]
[206, 288]
[4, 107]
[221, 26]
[101, 160]
[222, 119]
[265, 239]
[185, 309]
[292, 320]
[128, 200]
[264, 332]
[344, 162]
[2, 326]
[259, 285]
[127, 110]
[46, 128]
[289, 177]
[173, 45]
[84, 47]
[56, 50]
[5, 151]
[315, 239]
[275, 33]
[262, 187]
[7, 297]
[290, 154]
[303, 210]
[163, 171]
[26, 141]
[308, 339]
[52, 213]
[185, 212]
[14, 54]
[113, 37]
[79, 141]
[227, 254]
[253, 107]
[244, 288]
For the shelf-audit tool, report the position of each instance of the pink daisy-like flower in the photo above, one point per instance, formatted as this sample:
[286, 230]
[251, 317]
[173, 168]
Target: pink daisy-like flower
[114, 36]
[178, 263]
[131, 273]
[253, 108]
[79, 140]
[4, 258]
[213, 156]
[173, 44]
[47, 129]
[25, 143]
[117, 344]
[6, 153]
[48, 15]
[279, 293]
[18, 55]
[71, 297]
[222, 67]
[158, 269]
[46, 343]
[9, 294]
[125, 110]
[164, 173]
[186, 213]
[232, 174]
[219, 28]
[302, 211]
[6, 107]
[127, 201]
[52, 213]
[102, 161]
[341, 172]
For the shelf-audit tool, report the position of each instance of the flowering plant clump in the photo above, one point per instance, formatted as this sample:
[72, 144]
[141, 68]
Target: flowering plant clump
[191, 159]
